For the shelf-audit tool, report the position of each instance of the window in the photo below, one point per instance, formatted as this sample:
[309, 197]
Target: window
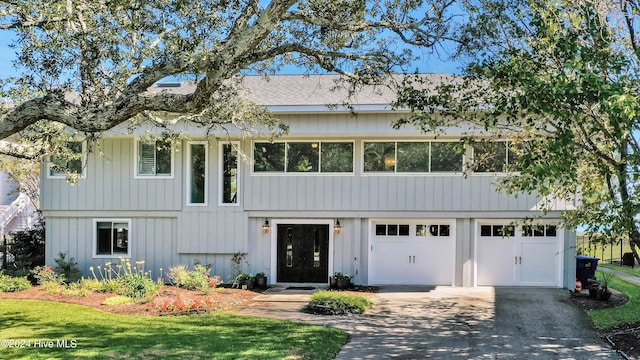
[303, 157]
[433, 230]
[112, 237]
[229, 173]
[70, 161]
[154, 159]
[412, 157]
[497, 230]
[494, 156]
[197, 173]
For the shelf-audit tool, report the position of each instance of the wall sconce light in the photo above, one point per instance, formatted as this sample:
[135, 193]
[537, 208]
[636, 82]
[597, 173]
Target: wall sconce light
[337, 226]
[265, 226]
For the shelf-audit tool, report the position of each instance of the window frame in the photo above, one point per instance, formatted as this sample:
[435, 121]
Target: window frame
[395, 171]
[236, 145]
[188, 169]
[64, 175]
[136, 169]
[303, 173]
[95, 238]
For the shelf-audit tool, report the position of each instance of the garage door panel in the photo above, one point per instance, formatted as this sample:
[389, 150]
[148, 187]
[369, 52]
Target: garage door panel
[539, 263]
[425, 255]
[496, 258]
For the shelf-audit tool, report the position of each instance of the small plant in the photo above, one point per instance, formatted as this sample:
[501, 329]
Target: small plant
[236, 263]
[117, 300]
[337, 303]
[198, 279]
[12, 284]
[46, 274]
[68, 268]
[127, 280]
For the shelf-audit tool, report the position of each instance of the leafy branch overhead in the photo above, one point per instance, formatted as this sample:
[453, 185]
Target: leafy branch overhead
[88, 65]
[562, 78]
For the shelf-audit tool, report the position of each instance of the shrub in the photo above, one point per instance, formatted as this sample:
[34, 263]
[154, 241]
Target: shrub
[117, 300]
[67, 267]
[125, 279]
[11, 284]
[26, 249]
[337, 303]
[46, 274]
[197, 279]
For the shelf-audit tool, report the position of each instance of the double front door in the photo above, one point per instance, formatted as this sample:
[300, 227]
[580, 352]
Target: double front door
[303, 253]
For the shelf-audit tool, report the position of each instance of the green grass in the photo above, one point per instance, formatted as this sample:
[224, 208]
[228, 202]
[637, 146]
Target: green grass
[624, 269]
[628, 313]
[338, 303]
[103, 335]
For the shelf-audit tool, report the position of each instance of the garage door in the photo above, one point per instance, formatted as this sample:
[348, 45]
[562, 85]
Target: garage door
[526, 256]
[412, 252]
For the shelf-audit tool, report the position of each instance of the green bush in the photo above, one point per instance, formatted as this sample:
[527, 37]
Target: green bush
[337, 303]
[137, 286]
[68, 268]
[127, 280]
[197, 279]
[11, 284]
[47, 275]
[27, 250]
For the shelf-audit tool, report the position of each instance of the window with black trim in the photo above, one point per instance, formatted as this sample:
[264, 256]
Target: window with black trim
[497, 230]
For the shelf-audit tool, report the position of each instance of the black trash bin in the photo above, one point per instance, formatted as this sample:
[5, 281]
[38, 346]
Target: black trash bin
[586, 270]
[628, 260]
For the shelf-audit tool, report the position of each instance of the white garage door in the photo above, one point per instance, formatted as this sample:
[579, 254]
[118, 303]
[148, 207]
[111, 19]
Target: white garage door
[527, 256]
[412, 252]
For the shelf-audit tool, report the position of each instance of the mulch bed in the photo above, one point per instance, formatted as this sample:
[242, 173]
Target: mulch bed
[164, 304]
[625, 338]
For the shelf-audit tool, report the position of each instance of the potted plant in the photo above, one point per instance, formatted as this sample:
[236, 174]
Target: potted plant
[245, 281]
[342, 281]
[603, 292]
[261, 280]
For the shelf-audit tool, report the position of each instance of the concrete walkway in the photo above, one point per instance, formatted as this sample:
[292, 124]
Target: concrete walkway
[454, 323]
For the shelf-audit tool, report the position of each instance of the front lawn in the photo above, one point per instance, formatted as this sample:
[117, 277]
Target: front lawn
[628, 313]
[98, 334]
[625, 269]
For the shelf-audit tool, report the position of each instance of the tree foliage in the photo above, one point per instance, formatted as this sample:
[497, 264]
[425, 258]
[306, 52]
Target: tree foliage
[562, 78]
[88, 65]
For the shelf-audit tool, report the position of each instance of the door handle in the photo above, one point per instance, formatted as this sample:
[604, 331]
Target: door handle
[515, 258]
[409, 259]
[414, 259]
[520, 258]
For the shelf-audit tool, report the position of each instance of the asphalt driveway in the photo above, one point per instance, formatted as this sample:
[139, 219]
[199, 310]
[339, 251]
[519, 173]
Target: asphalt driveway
[458, 323]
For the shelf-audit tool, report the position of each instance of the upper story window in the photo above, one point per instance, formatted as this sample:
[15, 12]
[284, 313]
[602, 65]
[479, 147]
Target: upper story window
[197, 174]
[154, 159]
[303, 157]
[411, 157]
[69, 162]
[229, 173]
[493, 156]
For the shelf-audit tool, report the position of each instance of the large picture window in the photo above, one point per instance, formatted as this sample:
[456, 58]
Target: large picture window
[154, 159]
[229, 173]
[71, 162]
[493, 156]
[411, 157]
[197, 173]
[303, 157]
[112, 237]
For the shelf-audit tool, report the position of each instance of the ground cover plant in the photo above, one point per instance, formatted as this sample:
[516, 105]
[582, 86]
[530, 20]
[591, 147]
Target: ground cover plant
[337, 303]
[10, 283]
[97, 334]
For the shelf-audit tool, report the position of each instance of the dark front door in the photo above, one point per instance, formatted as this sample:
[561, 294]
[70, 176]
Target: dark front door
[303, 253]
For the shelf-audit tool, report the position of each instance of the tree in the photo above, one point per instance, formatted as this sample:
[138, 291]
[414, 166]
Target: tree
[562, 78]
[88, 65]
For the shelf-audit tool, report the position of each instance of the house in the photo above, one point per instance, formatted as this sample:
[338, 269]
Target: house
[339, 193]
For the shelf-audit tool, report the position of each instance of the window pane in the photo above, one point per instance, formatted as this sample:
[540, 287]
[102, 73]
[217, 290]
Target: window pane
[163, 158]
[551, 230]
[268, 157]
[490, 156]
[379, 156]
[413, 157]
[120, 238]
[485, 230]
[381, 229]
[392, 230]
[513, 156]
[444, 230]
[336, 157]
[446, 157]
[229, 174]
[403, 230]
[70, 163]
[104, 238]
[198, 173]
[146, 158]
[303, 157]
